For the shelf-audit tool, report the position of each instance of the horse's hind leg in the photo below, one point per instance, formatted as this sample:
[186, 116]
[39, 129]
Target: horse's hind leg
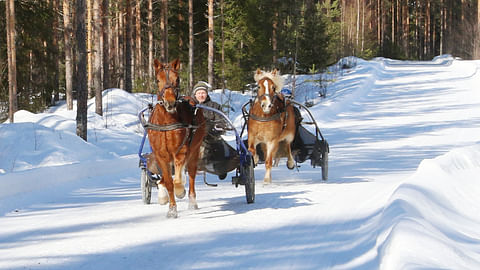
[162, 192]
[192, 196]
[290, 161]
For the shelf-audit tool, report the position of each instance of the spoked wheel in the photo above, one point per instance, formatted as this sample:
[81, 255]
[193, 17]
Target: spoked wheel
[249, 176]
[146, 188]
[325, 165]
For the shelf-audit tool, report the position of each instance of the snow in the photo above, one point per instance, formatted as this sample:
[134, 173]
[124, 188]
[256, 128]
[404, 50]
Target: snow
[402, 192]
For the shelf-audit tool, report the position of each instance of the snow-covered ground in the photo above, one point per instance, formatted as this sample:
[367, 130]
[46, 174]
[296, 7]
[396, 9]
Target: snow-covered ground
[403, 189]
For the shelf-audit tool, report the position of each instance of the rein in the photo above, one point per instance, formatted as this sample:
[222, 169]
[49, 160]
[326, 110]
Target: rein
[169, 127]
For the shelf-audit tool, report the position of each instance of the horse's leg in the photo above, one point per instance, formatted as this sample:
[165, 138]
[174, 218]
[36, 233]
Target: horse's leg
[192, 172]
[272, 148]
[252, 147]
[290, 161]
[168, 181]
[179, 181]
[162, 192]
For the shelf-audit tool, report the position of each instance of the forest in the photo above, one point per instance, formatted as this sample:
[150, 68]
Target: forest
[49, 47]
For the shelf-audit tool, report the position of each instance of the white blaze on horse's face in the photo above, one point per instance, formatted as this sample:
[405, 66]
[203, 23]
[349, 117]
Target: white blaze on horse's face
[266, 101]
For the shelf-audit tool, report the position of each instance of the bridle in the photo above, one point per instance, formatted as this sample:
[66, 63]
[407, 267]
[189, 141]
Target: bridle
[168, 84]
[272, 96]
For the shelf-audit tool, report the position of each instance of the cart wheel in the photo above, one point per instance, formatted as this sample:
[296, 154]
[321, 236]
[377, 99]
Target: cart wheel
[249, 175]
[146, 188]
[325, 165]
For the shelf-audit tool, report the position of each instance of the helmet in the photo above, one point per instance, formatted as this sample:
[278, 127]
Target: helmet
[286, 92]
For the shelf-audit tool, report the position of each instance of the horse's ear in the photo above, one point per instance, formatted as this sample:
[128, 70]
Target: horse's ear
[175, 64]
[257, 75]
[275, 72]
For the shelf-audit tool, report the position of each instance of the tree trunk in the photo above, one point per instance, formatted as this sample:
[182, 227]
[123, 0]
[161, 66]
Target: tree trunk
[223, 47]
[67, 36]
[190, 44]
[477, 39]
[210, 42]
[274, 32]
[128, 47]
[12, 62]
[56, 56]
[91, 90]
[150, 38]
[81, 77]
[163, 31]
[105, 44]
[138, 42]
[97, 60]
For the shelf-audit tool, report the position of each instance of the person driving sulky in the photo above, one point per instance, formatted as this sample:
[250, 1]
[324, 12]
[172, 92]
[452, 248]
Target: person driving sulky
[217, 157]
[216, 125]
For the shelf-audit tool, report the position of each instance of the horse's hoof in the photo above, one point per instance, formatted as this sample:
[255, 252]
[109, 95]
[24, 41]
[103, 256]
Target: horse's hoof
[290, 166]
[162, 195]
[172, 212]
[180, 193]
[267, 182]
[192, 206]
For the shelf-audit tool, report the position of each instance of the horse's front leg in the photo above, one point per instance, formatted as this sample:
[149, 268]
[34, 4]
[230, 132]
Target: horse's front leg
[272, 148]
[252, 148]
[168, 182]
[179, 181]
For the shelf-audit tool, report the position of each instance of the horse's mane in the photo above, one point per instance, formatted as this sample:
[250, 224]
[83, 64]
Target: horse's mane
[272, 75]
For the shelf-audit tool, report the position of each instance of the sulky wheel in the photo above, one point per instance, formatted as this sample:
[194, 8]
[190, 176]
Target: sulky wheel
[325, 165]
[146, 188]
[248, 173]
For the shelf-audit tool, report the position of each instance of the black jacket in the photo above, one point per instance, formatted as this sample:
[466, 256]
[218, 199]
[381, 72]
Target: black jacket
[213, 118]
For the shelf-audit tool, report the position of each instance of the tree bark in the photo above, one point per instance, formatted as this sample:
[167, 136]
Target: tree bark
[128, 46]
[91, 90]
[12, 62]
[97, 60]
[210, 42]
[477, 39]
[138, 42]
[150, 38]
[105, 44]
[81, 77]
[274, 32]
[190, 44]
[163, 31]
[56, 56]
[67, 36]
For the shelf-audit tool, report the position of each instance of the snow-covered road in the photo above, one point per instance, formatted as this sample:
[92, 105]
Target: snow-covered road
[378, 209]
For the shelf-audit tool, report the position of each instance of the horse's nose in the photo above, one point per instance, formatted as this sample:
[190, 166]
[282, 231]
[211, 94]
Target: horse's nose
[169, 106]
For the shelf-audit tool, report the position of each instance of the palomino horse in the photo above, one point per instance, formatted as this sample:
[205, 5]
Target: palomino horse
[175, 136]
[271, 121]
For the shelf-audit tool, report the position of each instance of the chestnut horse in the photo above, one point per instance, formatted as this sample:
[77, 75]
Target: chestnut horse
[176, 135]
[271, 121]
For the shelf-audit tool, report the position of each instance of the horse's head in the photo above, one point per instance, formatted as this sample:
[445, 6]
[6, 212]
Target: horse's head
[268, 84]
[168, 83]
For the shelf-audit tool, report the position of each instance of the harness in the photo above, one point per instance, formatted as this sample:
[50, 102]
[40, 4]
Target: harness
[190, 128]
[273, 117]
